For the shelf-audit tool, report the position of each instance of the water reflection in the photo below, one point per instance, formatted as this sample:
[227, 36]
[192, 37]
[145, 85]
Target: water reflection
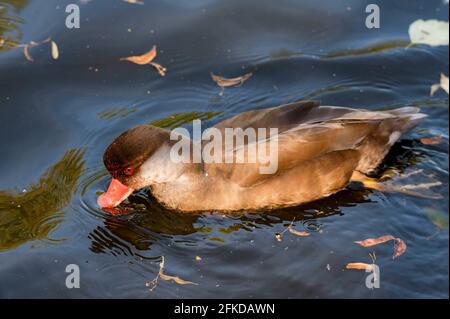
[35, 211]
[10, 22]
[178, 119]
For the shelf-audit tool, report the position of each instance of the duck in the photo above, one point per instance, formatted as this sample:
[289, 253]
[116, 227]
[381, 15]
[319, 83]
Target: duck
[320, 150]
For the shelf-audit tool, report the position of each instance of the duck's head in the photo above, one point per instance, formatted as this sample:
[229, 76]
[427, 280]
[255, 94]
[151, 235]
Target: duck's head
[125, 157]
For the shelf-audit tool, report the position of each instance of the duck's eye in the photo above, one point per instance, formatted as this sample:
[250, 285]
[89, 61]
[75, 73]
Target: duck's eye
[128, 171]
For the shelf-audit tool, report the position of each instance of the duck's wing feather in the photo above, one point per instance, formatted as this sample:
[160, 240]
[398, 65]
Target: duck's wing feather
[305, 131]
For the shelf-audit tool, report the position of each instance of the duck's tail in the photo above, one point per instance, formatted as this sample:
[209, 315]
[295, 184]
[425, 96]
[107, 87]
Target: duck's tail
[379, 142]
[408, 117]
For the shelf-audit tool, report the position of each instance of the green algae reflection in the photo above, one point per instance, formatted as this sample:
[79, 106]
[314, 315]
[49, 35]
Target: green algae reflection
[10, 23]
[33, 213]
[178, 119]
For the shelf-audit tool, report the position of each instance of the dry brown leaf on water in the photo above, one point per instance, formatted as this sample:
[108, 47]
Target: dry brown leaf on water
[26, 52]
[399, 248]
[298, 232]
[147, 58]
[369, 242]
[176, 279]
[32, 44]
[364, 266]
[399, 244]
[153, 283]
[225, 82]
[359, 266]
[142, 59]
[434, 140]
[442, 85]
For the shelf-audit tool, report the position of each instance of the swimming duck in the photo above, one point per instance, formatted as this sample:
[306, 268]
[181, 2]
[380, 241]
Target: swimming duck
[321, 149]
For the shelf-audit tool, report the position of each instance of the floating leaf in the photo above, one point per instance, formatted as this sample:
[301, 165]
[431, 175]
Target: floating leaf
[442, 85]
[374, 241]
[430, 32]
[176, 279]
[133, 1]
[224, 82]
[142, 59]
[32, 44]
[431, 140]
[299, 233]
[399, 248]
[55, 51]
[26, 52]
[360, 266]
[152, 284]
[221, 81]
[147, 58]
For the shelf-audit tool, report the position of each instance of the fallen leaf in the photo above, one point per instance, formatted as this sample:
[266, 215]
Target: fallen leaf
[431, 140]
[133, 1]
[176, 279]
[442, 85]
[32, 44]
[55, 50]
[430, 32]
[369, 242]
[142, 59]
[224, 82]
[299, 233]
[153, 283]
[198, 258]
[399, 245]
[360, 266]
[26, 52]
[147, 58]
[399, 248]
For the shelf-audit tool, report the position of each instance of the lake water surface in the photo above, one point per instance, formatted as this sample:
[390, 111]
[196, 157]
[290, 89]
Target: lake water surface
[57, 118]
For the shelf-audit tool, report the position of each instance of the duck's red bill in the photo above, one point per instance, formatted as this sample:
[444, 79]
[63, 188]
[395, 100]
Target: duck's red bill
[116, 194]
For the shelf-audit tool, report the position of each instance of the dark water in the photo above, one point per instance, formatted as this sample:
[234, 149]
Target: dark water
[57, 117]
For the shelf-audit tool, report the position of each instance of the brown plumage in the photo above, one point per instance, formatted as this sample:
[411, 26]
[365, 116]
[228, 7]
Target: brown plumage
[319, 149]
